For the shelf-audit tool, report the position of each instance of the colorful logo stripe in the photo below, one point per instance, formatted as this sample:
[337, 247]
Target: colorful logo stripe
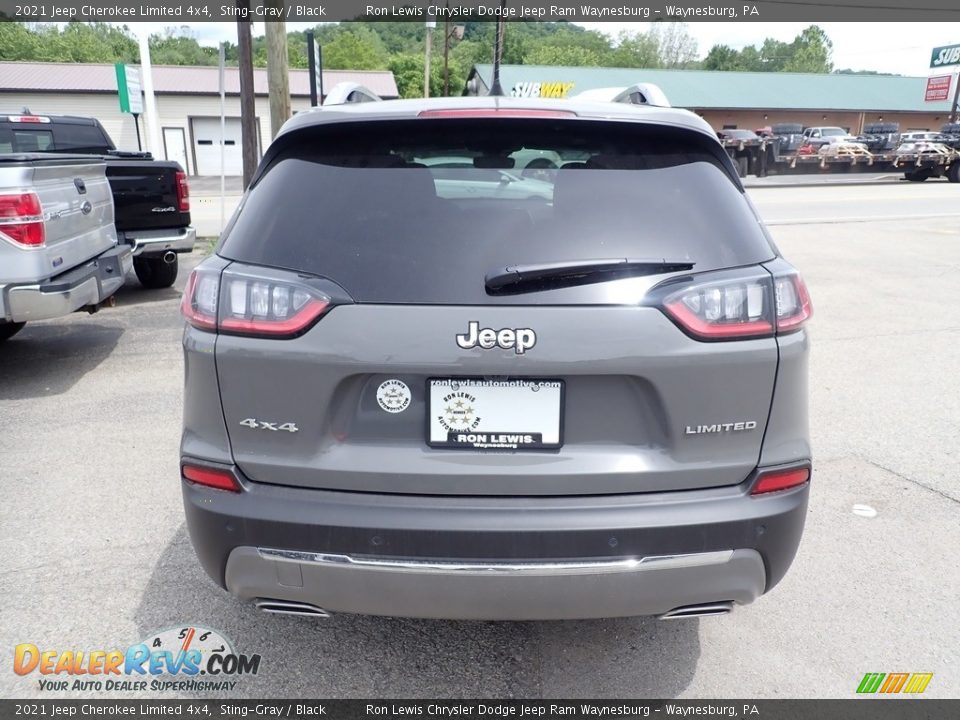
[892, 683]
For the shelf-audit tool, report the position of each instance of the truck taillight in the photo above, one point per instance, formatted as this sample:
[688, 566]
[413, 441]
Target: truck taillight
[236, 304]
[183, 192]
[732, 308]
[21, 219]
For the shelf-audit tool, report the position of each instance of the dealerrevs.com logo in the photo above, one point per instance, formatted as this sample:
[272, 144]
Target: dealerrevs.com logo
[185, 659]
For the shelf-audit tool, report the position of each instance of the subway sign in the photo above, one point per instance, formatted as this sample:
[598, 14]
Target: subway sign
[943, 56]
[542, 89]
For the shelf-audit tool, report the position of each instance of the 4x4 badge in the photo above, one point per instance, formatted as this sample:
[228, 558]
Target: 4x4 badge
[519, 339]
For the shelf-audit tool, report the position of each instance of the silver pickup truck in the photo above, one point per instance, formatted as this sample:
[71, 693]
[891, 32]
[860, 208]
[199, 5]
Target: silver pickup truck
[58, 244]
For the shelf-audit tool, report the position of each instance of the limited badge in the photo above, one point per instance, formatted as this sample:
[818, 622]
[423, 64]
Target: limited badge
[393, 396]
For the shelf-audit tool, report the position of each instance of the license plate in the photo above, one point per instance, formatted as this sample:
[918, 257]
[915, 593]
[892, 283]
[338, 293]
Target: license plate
[477, 414]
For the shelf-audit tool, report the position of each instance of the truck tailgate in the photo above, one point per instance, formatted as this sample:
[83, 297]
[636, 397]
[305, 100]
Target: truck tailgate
[78, 215]
[145, 195]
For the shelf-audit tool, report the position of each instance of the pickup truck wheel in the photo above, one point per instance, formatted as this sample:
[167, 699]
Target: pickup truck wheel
[917, 175]
[953, 174]
[9, 329]
[154, 273]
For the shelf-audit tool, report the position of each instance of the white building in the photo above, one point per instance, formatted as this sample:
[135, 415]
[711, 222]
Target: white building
[188, 104]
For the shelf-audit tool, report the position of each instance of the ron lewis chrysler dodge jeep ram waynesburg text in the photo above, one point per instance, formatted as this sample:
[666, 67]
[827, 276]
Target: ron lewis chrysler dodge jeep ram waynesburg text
[412, 391]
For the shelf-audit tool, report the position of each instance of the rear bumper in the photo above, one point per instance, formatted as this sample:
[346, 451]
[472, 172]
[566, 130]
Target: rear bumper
[88, 284]
[495, 558]
[157, 242]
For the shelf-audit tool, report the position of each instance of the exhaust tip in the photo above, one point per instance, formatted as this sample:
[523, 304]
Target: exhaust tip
[290, 607]
[701, 610]
[169, 257]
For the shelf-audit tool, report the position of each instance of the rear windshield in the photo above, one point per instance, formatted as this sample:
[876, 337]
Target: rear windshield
[53, 138]
[420, 211]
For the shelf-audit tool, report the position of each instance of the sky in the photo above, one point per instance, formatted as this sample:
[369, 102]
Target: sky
[902, 48]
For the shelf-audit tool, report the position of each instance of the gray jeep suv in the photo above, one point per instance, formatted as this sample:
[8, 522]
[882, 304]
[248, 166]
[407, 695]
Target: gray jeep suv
[411, 400]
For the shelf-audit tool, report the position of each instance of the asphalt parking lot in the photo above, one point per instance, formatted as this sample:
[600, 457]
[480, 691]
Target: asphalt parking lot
[96, 554]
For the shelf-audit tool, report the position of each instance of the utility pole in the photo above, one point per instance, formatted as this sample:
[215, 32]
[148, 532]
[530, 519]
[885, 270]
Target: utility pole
[248, 110]
[431, 24]
[278, 74]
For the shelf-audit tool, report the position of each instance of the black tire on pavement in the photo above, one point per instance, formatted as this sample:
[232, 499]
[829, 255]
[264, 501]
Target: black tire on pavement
[916, 175]
[953, 173]
[9, 329]
[154, 273]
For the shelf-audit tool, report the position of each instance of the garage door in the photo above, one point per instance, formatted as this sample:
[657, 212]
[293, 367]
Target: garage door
[207, 143]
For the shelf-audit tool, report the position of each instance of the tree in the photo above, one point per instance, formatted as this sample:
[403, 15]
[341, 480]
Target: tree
[809, 52]
[676, 47]
[639, 50]
[356, 49]
[561, 55]
[812, 50]
[722, 57]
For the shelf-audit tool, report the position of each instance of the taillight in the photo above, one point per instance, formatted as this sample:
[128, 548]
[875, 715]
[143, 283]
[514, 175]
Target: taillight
[793, 302]
[199, 302]
[21, 219]
[496, 113]
[777, 480]
[28, 119]
[211, 477]
[731, 308]
[183, 192]
[241, 304]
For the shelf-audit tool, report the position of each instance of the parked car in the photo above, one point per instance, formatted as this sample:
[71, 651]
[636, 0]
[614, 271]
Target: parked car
[919, 146]
[151, 197]
[819, 136]
[457, 178]
[594, 406]
[58, 245]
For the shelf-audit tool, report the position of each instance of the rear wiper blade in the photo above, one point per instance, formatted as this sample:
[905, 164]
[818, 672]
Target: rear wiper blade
[550, 276]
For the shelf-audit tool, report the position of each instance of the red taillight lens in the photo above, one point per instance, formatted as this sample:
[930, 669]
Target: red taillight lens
[267, 308]
[496, 113]
[723, 310]
[733, 308]
[183, 192]
[211, 477]
[793, 302]
[777, 480]
[28, 119]
[21, 219]
[199, 303]
[239, 304]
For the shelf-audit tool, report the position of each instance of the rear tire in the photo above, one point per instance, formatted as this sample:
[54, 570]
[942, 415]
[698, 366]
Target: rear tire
[9, 329]
[917, 175]
[154, 273]
[953, 174]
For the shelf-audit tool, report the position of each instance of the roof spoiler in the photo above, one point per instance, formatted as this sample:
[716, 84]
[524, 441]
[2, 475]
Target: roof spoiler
[346, 93]
[637, 94]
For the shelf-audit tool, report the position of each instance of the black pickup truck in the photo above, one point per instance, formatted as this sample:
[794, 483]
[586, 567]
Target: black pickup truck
[151, 197]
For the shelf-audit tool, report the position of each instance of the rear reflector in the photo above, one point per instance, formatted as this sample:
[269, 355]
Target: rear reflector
[21, 219]
[496, 113]
[210, 477]
[776, 480]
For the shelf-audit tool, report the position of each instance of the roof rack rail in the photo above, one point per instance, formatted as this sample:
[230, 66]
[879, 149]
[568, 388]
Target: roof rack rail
[637, 94]
[346, 93]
